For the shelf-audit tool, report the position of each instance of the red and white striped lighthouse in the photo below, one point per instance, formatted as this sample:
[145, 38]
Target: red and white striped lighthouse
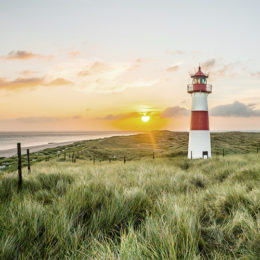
[199, 136]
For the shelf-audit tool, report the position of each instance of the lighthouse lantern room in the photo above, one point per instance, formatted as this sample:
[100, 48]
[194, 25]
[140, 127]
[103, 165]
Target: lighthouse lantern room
[199, 135]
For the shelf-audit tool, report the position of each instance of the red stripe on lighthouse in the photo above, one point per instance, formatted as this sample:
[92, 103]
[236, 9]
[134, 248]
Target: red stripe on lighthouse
[199, 87]
[199, 120]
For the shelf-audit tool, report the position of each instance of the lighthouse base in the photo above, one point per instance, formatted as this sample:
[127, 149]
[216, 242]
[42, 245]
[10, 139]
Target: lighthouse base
[199, 144]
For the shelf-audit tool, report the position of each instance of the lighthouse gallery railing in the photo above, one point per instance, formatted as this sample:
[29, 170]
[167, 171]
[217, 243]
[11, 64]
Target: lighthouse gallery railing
[190, 88]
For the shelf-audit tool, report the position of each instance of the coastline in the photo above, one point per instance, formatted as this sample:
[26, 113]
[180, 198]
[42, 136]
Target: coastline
[12, 152]
[9, 152]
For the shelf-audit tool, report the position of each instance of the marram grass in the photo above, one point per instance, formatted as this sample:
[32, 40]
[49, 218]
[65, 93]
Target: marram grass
[147, 209]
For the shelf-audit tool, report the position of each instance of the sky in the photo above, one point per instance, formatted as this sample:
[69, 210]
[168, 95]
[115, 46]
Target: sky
[76, 65]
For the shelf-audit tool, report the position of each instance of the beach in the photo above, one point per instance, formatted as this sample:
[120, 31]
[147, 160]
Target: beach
[37, 141]
[37, 148]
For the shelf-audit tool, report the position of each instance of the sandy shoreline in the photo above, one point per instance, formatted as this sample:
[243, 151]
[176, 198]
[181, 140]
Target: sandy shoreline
[37, 148]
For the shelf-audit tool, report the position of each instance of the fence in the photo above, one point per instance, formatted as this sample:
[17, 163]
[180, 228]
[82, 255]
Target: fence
[73, 156]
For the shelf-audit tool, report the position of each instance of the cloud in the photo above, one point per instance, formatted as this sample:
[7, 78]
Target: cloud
[236, 109]
[252, 105]
[168, 112]
[173, 68]
[193, 53]
[95, 68]
[22, 83]
[175, 112]
[216, 69]
[58, 82]
[112, 117]
[139, 60]
[104, 69]
[137, 64]
[224, 70]
[101, 77]
[196, 53]
[208, 64]
[36, 120]
[24, 55]
[27, 72]
[73, 54]
[256, 74]
[119, 87]
[175, 52]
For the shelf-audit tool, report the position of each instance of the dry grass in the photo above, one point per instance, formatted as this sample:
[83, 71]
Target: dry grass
[161, 209]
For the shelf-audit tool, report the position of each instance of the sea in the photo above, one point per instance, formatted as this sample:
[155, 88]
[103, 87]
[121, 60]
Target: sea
[9, 140]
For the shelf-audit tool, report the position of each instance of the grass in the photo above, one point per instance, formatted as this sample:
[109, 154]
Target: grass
[167, 208]
[134, 147]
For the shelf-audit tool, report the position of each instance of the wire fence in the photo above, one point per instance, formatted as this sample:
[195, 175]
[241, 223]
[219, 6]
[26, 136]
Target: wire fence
[85, 154]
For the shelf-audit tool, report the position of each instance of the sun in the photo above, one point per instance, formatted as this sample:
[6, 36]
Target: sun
[145, 119]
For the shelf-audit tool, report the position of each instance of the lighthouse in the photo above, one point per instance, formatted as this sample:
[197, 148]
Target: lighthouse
[199, 135]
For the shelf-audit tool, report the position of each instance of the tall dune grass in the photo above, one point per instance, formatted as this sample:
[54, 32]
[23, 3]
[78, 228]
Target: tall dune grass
[148, 209]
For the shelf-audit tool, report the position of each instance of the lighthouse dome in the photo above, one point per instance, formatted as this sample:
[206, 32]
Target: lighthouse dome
[199, 74]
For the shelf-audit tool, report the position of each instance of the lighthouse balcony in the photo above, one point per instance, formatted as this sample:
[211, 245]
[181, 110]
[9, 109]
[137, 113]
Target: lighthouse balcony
[191, 88]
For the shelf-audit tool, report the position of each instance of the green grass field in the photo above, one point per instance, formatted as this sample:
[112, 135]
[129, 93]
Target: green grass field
[162, 143]
[167, 208]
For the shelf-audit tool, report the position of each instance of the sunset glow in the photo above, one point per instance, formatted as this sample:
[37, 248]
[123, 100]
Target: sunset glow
[145, 118]
[86, 70]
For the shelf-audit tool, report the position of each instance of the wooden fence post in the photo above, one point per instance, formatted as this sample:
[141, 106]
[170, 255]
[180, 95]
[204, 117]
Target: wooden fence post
[124, 159]
[153, 155]
[19, 155]
[28, 160]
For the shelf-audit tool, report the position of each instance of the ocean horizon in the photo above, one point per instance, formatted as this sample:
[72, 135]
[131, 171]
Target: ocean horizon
[9, 140]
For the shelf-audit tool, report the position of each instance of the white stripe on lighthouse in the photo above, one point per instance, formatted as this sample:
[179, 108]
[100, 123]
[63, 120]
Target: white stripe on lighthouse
[199, 141]
[199, 101]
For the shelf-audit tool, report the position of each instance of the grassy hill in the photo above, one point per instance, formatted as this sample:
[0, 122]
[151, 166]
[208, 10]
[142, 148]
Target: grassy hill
[134, 147]
[167, 208]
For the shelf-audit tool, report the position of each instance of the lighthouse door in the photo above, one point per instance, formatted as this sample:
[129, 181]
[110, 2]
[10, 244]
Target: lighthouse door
[205, 155]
